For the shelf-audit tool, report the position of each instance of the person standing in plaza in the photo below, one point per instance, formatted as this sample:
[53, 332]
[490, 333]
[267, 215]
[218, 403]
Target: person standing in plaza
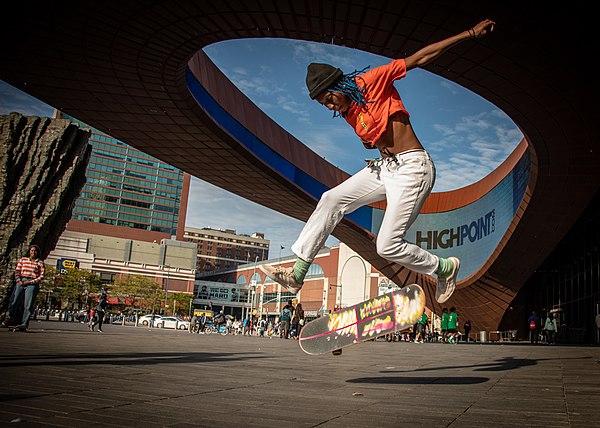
[444, 325]
[403, 176]
[28, 275]
[193, 324]
[420, 327]
[237, 327]
[98, 318]
[262, 326]
[285, 319]
[467, 329]
[550, 329]
[534, 322]
[246, 326]
[298, 320]
[452, 326]
[202, 323]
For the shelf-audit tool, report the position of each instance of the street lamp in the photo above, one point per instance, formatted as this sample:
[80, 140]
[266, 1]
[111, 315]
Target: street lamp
[168, 268]
[255, 260]
[262, 296]
[252, 288]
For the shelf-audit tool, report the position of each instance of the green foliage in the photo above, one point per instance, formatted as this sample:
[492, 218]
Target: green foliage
[74, 286]
[139, 291]
[182, 305]
[47, 285]
[48, 282]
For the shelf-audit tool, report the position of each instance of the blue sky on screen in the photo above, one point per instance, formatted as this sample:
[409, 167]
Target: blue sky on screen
[466, 135]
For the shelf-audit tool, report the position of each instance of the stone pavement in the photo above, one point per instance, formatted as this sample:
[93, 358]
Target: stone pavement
[61, 374]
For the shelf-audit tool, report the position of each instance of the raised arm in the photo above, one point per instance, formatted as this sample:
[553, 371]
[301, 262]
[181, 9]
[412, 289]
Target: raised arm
[430, 52]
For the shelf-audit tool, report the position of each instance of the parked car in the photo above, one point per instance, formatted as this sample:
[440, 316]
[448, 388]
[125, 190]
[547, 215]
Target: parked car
[145, 320]
[172, 322]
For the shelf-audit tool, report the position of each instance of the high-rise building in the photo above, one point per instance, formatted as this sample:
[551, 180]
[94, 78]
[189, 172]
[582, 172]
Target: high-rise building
[224, 249]
[128, 193]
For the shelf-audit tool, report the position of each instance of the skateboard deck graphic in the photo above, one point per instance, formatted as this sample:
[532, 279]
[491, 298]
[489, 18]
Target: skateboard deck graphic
[380, 315]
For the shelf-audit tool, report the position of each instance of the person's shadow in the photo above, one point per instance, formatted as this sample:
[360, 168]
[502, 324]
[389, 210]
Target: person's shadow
[502, 364]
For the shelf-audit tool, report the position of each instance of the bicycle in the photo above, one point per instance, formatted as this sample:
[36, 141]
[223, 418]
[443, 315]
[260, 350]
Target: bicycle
[223, 330]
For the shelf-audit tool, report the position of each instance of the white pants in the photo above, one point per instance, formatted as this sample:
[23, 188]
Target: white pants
[405, 181]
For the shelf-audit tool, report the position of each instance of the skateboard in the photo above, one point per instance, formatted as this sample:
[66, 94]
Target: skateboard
[372, 318]
[14, 328]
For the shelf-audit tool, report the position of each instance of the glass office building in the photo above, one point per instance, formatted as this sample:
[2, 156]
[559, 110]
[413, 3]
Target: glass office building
[126, 187]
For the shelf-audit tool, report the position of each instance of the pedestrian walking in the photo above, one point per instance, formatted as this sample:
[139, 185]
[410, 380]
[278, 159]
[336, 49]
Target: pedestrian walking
[98, 319]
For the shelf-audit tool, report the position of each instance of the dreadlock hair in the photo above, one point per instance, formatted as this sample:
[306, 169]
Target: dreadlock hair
[346, 84]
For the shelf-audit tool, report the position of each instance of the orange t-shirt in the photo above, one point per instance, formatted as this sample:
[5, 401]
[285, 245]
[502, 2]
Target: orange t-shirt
[370, 120]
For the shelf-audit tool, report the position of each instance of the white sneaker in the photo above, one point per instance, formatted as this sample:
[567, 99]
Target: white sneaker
[283, 276]
[446, 286]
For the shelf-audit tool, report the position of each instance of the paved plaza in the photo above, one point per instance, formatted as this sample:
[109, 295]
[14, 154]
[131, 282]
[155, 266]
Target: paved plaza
[61, 374]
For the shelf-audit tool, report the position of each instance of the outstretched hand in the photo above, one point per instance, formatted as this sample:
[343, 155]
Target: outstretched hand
[483, 28]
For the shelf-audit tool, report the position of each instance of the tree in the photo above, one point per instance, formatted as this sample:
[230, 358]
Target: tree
[139, 291]
[74, 286]
[183, 302]
[47, 286]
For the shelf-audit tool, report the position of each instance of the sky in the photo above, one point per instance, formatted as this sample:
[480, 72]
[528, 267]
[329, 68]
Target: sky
[467, 136]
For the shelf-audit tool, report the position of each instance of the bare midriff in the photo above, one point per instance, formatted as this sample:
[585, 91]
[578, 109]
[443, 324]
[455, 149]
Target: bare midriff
[399, 136]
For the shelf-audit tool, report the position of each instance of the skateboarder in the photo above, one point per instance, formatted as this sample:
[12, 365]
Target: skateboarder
[404, 174]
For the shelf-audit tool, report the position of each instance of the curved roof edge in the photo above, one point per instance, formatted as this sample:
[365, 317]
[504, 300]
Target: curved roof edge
[453, 199]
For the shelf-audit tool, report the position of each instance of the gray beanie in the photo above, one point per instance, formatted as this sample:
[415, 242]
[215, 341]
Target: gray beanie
[320, 77]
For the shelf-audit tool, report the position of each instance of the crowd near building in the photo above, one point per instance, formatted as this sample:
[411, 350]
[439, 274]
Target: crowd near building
[130, 219]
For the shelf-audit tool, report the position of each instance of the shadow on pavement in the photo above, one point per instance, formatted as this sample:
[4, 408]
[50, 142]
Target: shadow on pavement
[123, 359]
[400, 380]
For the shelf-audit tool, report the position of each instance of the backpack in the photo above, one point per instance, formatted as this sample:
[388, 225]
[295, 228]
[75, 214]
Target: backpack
[532, 325]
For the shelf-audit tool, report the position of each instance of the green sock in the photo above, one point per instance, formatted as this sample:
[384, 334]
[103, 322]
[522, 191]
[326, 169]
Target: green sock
[300, 270]
[444, 269]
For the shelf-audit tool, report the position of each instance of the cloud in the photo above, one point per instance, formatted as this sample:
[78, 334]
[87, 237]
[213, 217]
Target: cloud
[472, 148]
[339, 56]
[253, 86]
[449, 86]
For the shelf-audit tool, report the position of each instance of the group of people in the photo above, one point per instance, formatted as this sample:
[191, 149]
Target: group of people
[547, 331]
[287, 325]
[291, 321]
[449, 325]
[447, 332]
